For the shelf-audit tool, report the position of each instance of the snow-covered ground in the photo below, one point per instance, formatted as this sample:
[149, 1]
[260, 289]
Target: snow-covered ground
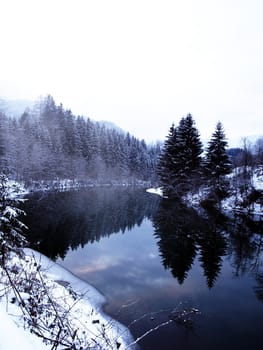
[257, 179]
[157, 191]
[240, 202]
[77, 302]
[14, 337]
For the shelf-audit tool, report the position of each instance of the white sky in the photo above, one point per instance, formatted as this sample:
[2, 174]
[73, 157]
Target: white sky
[142, 64]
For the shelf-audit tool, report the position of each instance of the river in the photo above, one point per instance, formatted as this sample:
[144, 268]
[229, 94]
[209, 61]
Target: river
[191, 280]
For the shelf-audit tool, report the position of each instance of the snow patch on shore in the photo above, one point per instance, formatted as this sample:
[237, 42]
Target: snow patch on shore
[84, 305]
[157, 191]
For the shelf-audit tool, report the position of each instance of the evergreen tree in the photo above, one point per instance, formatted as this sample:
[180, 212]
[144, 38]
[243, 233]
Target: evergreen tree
[3, 141]
[11, 237]
[217, 163]
[189, 155]
[179, 165]
[258, 149]
[166, 164]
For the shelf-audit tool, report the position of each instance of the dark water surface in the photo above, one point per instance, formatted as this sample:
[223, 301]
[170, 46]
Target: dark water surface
[153, 260]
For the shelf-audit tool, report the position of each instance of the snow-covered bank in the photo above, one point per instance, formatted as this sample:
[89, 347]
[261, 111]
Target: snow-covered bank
[157, 190]
[246, 191]
[77, 303]
[244, 194]
[14, 337]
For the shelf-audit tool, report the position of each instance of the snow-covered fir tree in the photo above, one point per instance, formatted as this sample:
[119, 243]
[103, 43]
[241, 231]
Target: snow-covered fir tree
[189, 156]
[11, 237]
[179, 165]
[166, 164]
[217, 163]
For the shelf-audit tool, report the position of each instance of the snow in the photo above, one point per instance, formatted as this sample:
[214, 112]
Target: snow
[84, 314]
[13, 337]
[257, 178]
[157, 191]
[236, 201]
[16, 189]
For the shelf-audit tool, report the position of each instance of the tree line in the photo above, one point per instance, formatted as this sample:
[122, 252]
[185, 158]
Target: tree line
[49, 142]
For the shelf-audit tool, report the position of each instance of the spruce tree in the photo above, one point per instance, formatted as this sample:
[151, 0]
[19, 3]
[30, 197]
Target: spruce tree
[179, 165]
[217, 163]
[3, 141]
[11, 238]
[166, 165]
[189, 155]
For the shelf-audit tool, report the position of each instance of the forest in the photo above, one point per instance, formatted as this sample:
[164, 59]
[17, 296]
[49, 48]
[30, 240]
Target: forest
[50, 143]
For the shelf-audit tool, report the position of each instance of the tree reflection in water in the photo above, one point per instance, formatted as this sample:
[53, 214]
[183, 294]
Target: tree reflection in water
[184, 234]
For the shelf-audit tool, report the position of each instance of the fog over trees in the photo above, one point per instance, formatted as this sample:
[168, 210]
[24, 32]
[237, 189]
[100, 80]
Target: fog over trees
[48, 142]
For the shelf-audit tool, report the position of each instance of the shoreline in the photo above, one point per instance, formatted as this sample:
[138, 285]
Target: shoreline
[81, 303]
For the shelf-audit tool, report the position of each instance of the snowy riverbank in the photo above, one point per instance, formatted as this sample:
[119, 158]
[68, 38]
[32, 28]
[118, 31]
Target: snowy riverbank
[238, 200]
[77, 303]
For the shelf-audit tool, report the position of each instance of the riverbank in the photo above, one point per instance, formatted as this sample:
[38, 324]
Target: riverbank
[246, 197]
[32, 315]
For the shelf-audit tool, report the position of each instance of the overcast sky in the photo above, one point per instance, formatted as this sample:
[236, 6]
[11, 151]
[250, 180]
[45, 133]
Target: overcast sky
[141, 64]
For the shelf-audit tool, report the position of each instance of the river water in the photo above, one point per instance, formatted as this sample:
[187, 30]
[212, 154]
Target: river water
[189, 280]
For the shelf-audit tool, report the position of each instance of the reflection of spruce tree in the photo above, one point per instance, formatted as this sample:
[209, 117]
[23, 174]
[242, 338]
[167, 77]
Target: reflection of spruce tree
[212, 247]
[180, 231]
[175, 226]
[179, 256]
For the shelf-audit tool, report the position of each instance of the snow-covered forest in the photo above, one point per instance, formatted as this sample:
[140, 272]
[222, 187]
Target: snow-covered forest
[48, 142]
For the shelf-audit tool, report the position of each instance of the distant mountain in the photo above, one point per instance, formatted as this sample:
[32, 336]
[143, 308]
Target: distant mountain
[14, 108]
